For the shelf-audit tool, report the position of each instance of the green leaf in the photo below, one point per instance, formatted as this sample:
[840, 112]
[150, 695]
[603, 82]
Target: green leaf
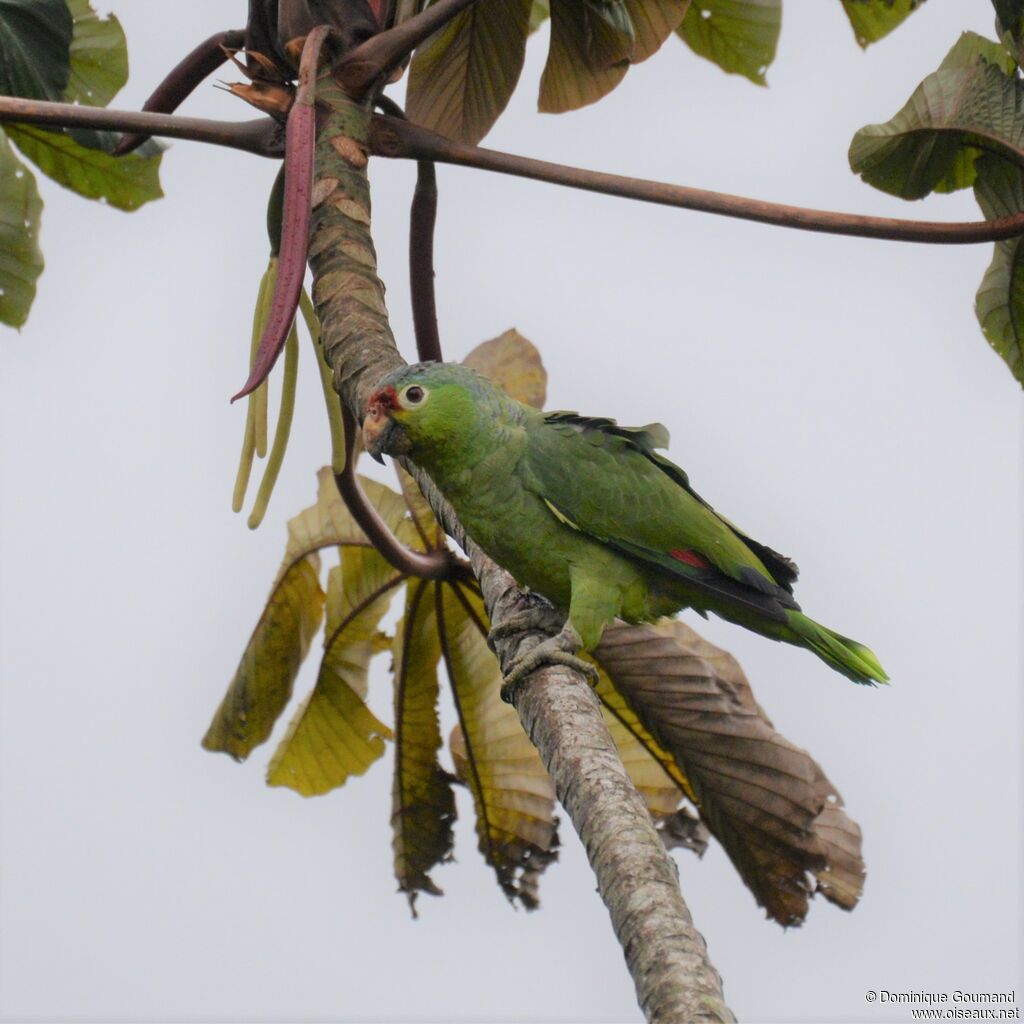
[1000, 301]
[99, 57]
[769, 804]
[21, 261]
[512, 792]
[334, 735]
[970, 48]
[740, 36]
[35, 44]
[263, 683]
[540, 11]
[423, 804]
[873, 19]
[934, 141]
[461, 79]
[124, 182]
[588, 56]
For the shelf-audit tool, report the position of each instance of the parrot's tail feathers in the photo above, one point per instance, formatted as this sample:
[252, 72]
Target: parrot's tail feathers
[852, 659]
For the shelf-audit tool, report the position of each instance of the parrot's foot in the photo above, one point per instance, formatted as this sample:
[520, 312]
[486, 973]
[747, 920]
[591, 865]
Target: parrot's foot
[556, 650]
[533, 619]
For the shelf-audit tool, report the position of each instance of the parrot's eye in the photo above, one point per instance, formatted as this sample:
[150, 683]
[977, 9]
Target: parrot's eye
[414, 395]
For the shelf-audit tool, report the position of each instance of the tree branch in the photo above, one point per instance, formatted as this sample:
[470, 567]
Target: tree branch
[263, 136]
[376, 58]
[637, 878]
[183, 78]
[401, 139]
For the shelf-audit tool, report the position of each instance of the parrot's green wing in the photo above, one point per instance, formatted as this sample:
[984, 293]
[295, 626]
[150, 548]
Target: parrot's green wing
[621, 492]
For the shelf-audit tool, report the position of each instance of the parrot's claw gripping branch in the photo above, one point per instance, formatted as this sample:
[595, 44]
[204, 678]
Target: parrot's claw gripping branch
[555, 650]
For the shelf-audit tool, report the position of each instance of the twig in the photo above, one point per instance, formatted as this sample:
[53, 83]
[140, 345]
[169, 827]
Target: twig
[376, 58]
[431, 565]
[182, 79]
[263, 136]
[422, 218]
[390, 137]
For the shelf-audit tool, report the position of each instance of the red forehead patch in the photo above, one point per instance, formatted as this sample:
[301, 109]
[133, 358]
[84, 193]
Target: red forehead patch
[385, 398]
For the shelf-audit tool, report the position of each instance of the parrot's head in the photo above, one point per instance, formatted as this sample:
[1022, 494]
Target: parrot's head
[423, 408]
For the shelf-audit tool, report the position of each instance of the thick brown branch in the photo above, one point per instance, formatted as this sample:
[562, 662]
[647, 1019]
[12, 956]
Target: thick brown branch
[375, 59]
[636, 877]
[263, 136]
[393, 138]
[675, 981]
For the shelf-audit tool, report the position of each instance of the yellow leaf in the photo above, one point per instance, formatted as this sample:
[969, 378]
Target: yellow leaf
[266, 673]
[263, 682]
[334, 734]
[512, 791]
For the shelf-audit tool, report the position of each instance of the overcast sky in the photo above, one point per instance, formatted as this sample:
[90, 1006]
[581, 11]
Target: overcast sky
[834, 396]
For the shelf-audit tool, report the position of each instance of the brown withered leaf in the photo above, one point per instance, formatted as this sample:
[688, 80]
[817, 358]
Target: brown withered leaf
[654, 21]
[587, 58]
[512, 792]
[767, 801]
[423, 804]
[514, 364]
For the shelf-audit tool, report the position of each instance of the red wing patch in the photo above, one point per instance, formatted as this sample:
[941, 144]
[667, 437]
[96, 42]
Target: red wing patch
[690, 558]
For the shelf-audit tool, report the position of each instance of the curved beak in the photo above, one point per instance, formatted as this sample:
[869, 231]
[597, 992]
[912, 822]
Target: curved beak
[382, 435]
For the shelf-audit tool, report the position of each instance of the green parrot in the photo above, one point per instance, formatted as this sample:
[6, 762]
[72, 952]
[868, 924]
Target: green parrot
[589, 515]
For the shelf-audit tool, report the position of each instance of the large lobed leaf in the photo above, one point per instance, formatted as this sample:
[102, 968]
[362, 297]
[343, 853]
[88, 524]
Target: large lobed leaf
[514, 364]
[963, 126]
[334, 735]
[21, 261]
[970, 104]
[461, 79]
[263, 682]
[769, 804]
[873, 19]
[98, 57]
[591, 45]
[423, 803]
[740, 36]
[123, 182]
[512, 792]
[1000, 301]
[35, 46]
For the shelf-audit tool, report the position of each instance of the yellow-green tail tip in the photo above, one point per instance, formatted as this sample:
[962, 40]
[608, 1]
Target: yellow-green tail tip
[852, 659]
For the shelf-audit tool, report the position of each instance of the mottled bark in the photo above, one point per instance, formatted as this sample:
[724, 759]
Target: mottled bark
[636, 877]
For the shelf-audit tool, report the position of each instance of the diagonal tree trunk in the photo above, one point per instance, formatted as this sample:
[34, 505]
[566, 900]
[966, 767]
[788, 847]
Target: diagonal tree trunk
[636, 877]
